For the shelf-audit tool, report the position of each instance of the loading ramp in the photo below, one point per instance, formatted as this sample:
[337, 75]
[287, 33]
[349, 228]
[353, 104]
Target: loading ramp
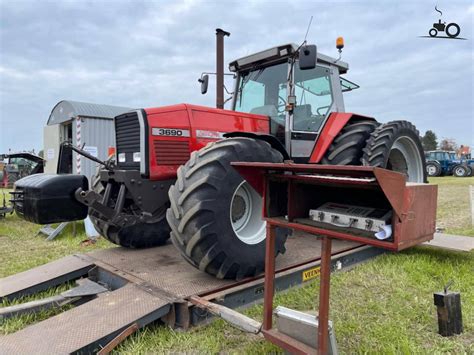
[149, 285]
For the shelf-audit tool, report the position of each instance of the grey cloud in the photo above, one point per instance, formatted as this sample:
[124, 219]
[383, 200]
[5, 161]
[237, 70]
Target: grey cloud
[150, 53]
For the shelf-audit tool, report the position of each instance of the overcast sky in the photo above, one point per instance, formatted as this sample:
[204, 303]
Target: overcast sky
[150, 53]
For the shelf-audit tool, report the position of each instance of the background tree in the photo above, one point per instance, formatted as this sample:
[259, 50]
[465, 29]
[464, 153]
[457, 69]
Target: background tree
[448, 144]
[429, 140]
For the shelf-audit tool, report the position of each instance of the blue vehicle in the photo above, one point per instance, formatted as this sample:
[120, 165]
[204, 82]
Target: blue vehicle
[439, 163]
[443, 162]
[465, 166]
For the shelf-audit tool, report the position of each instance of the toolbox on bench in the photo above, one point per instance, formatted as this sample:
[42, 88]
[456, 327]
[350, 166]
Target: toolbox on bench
[359, 217]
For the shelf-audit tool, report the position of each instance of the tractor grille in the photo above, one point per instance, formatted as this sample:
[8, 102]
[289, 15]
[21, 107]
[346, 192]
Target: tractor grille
[127, 138]
[171, 152]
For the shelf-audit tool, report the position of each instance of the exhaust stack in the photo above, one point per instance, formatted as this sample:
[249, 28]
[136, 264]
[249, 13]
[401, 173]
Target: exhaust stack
[220, 34]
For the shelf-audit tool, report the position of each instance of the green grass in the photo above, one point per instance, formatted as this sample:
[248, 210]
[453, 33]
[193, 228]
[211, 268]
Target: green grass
[21, 248]
[454, 209]
[382, 306]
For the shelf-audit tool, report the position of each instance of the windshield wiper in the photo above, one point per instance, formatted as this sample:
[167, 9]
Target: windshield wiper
[258, 74]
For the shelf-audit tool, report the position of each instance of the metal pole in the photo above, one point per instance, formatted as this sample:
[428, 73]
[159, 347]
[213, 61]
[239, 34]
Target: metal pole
[324, 283]
[231, 316]
[471, 193]
[107, 349]
[269, 277]
[220, 66]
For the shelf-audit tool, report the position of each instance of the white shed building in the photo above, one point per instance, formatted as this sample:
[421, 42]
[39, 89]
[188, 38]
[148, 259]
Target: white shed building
[83, 124]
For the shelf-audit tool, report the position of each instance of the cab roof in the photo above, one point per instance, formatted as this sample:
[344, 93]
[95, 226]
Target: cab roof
[279, 52]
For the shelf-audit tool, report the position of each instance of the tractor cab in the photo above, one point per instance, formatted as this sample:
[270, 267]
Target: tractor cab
[298, 100]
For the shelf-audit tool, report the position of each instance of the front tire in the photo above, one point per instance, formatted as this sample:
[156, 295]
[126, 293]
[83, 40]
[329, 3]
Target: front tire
[136, 236]
[139, 235]
[216, 216]
[397, 146]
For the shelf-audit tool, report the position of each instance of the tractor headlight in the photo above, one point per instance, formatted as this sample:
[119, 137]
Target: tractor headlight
[136, 157]
[121, 158]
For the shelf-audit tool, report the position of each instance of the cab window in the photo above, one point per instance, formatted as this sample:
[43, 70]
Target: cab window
[313, 98]
[253, 96]
[263, 91]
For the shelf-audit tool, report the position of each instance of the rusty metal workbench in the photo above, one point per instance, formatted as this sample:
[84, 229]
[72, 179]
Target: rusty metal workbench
[291, 190]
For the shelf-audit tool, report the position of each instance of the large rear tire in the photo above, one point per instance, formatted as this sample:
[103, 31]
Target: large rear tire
[470, 170]
[346, 149]
[456, 32]
[12, 178]
[216, 216]
[433, 168]
[139, 235]
[397, 146]
[461, 171]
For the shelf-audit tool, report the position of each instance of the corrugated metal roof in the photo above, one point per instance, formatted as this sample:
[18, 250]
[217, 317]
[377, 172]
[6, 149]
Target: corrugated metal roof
[66, 110]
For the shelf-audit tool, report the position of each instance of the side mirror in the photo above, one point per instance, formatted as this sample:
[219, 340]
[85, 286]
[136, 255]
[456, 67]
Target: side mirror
[204, 80]
[307, 57]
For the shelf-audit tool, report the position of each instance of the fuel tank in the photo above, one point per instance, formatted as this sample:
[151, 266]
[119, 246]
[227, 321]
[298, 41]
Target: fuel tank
[48, 198]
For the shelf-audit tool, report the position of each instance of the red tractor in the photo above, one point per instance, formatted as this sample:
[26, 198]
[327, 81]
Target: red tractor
[172, 174]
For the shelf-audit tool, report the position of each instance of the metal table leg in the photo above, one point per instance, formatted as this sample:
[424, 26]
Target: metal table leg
[269, 277]
[324, 284]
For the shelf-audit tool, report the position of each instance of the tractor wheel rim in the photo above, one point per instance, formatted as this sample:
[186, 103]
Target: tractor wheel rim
[246, 215]
[405, 158]
[459, 171]
[431, 170]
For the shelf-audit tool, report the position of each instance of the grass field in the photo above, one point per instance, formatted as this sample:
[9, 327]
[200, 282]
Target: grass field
[382, 306]
[454, 214]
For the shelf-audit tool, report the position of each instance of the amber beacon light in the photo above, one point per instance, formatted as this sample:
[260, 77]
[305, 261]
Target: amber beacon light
[339, 43]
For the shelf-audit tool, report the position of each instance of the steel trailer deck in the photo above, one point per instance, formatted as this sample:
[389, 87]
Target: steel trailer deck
[148, 285]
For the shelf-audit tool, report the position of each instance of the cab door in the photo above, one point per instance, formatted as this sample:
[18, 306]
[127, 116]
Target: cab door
[315, 99]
